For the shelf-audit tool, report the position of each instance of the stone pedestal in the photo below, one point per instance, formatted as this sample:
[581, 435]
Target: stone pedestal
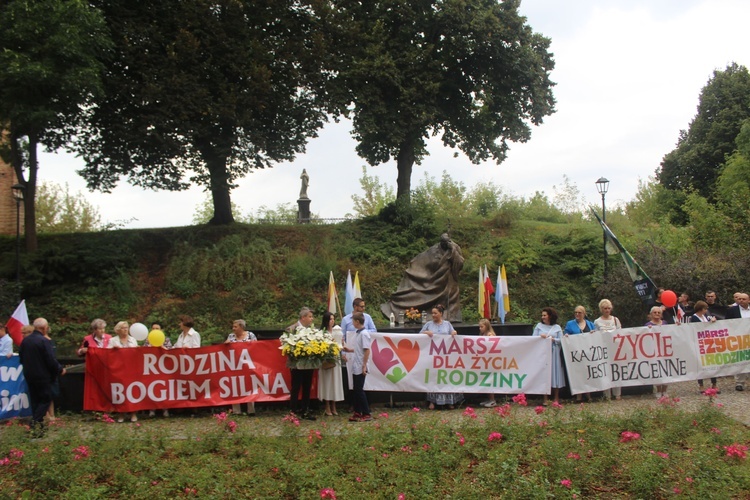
[303, 212]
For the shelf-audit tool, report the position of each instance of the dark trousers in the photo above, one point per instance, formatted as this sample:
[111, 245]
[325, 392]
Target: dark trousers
[301, 379]
[40, 397]
[360, 398]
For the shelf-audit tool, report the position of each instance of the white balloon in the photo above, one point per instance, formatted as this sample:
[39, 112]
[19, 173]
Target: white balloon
[138, 331]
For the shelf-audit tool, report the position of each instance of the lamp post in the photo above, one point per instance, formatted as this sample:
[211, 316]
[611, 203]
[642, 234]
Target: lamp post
[18, 190]
[602, 185]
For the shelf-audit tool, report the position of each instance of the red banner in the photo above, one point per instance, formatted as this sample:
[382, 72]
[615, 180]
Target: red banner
[151, 378]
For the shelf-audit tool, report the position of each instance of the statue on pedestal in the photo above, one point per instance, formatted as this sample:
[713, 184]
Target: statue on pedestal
[430, 279]
[305, 182]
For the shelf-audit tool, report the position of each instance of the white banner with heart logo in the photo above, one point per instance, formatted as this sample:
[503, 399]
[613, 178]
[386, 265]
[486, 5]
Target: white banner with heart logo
[418, 363]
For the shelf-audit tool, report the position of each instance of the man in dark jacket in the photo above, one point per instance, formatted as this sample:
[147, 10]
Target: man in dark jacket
[40, 369]
[740, 310]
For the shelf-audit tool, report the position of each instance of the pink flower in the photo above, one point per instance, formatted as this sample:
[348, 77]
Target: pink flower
[676, 490]
[495, 436]
[689, 479]
[425, 447]
[574, 456]
[736, 450]
[566, 482]
[520, 399]
[15, 453]
[385, 455]
[461, 439]
[328, 493]
[5, 461]
[503, 410]
[232, 425]
[662, 454]
[720, 405]
[415, 409]
[401, 496]
[539, 410]
[406, 449]
[715, 430]
[81, 452]
[543, 423]
[45, 449]
[627, 436]
[383, 415]
[469, 412]
[154, 483]
[291, 418]
[359, 479]
[711, 392]
[557, 405]
[221, 416]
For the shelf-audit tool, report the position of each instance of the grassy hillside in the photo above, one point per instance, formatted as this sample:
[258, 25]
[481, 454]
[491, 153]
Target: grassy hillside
[265, 273]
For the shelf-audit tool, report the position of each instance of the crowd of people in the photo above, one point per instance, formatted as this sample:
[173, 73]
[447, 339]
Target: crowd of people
[42, 370]
[684, 311]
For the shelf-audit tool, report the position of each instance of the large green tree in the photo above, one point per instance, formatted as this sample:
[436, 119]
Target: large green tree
[471, 71]
[203, 91]
[50, 53]
[703, 148]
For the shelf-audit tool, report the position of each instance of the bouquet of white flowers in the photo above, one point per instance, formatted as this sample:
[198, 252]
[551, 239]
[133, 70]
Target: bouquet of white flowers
[309, 348]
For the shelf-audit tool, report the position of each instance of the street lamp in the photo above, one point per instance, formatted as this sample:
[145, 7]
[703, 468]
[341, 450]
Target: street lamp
[18, 190]
[602, 185]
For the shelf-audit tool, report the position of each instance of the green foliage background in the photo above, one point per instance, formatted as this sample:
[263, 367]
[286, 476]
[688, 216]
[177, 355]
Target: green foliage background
[266, 272]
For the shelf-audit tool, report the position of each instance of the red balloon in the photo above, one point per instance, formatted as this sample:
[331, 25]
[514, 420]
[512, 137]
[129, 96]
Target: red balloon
[669, 298]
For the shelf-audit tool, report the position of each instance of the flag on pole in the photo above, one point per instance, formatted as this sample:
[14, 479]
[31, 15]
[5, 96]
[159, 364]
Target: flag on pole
[332, 294]
[488, 291]
[349, 298]
[18, 320]
[644, 286]
[480, 293]
[501, 294]
[357, 289]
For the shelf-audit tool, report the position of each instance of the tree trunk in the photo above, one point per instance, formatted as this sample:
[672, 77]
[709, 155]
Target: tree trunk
[405, 163]
[216, 162]
[29, 194]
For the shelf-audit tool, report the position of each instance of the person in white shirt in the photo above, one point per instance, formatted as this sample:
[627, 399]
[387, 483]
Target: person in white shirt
[122, 340]
[740, 311]
[188, 338]
[6, 343]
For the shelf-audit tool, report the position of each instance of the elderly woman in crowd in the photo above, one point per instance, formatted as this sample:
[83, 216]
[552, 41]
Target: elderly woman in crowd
[700, 315]
[579, 324]
[240, 334]
[122, 340]
[608, 323]
[188, 337]
[440, 326]
[655, 319]
[549, 329]
[97, 337]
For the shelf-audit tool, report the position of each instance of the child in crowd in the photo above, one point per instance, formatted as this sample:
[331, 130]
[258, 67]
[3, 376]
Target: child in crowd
[358, 365]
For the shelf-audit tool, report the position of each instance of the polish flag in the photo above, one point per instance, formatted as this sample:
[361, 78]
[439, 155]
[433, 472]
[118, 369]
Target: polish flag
[19, 319]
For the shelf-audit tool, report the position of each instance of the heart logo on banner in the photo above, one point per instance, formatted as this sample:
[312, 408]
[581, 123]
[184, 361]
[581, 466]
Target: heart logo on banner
[407, 351]
[383, 358]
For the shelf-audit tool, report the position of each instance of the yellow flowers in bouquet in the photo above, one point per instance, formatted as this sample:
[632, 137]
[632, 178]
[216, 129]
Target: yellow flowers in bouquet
[309, 348]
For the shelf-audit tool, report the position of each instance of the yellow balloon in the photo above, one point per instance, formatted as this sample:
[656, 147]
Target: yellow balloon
[156, 338]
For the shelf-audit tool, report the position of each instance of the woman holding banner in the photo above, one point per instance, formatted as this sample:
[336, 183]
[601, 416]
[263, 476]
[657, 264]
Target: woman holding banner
[700, 315]
[655, 319]
[579, 324]
[549, 329]
[123, 340]
[439, 326]
[608, 323]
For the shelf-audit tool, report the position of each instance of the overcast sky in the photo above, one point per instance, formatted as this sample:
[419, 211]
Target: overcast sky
[628, 76]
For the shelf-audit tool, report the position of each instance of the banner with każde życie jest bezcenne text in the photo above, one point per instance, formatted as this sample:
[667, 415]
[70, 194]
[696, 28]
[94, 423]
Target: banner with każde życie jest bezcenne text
[657, 354]
[470, 364]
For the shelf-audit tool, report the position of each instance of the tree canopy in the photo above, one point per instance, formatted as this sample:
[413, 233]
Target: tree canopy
[50, 67]
[205, 90]
[471, 71]
[702, 149]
